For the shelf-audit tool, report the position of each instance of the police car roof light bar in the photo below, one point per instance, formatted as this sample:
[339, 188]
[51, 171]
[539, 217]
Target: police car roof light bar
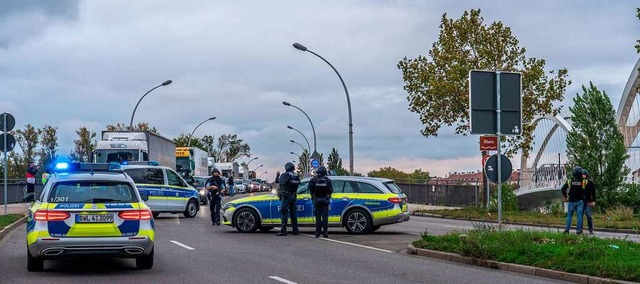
[77, 167]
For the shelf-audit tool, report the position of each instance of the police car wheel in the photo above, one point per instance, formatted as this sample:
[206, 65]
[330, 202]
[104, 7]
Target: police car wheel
[145, 262]
[192, 209]
[246, 220]
[34, 264]
[357, 221]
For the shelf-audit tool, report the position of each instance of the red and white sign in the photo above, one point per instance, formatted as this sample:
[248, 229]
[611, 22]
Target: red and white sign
[488, 143]
[484, 160]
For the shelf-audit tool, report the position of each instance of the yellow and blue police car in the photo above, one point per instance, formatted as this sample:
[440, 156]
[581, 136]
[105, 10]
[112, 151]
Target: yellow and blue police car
[359, 204]
[89, 209]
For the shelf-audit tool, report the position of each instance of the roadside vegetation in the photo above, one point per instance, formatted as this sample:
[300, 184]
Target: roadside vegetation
[607, 258]
[5, 220]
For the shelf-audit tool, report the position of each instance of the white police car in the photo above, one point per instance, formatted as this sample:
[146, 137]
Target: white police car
[167, 191]
[89, 209]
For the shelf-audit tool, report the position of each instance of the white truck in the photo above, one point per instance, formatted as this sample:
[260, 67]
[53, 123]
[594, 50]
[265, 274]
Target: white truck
[135, 146]
[192, 158]
[229, 169]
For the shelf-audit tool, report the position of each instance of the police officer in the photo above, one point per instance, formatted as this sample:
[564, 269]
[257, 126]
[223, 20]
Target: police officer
[289, 182]
[573, 192]
[321, 190]
[589, 199]
[188, 177]
[215, 185]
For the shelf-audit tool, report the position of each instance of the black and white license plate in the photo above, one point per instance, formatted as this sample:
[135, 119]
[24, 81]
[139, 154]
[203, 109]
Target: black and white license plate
[94, 218]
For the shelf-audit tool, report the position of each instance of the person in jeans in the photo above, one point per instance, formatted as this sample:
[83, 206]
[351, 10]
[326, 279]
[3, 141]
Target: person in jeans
[573, 193]
[231, 185]
[321, 189]
[589, 199]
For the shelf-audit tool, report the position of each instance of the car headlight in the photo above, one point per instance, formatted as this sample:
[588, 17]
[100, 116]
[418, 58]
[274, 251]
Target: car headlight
[203, 192]
[227, 206]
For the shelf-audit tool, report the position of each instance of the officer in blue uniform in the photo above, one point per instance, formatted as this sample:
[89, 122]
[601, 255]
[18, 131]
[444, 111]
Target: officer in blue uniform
[289, 182]
[215, 185]
[321, 189]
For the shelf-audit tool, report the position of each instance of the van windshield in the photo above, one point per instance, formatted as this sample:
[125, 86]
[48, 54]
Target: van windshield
[118, 156]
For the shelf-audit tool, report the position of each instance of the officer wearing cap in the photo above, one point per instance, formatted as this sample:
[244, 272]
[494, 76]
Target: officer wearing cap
[321, 189]
[215, 185]
[289, 182]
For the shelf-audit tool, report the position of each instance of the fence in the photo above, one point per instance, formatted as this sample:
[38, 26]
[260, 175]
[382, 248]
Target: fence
[453, 194]
[15, 191]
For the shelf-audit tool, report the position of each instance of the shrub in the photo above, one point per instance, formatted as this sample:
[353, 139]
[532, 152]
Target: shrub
[509, 199]
[621, 213]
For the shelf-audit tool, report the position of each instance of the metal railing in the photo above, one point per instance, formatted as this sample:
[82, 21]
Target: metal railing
[444, 194]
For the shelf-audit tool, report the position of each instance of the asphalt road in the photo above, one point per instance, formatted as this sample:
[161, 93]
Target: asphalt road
[193, 251]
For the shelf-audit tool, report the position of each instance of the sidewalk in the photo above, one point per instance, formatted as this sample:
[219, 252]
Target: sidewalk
[14, 208]
[413, 207]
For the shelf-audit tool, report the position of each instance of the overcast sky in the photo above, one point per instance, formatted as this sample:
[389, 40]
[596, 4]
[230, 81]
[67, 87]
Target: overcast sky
[86, 63]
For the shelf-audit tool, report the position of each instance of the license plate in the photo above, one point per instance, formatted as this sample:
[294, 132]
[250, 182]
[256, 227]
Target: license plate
[94, 218]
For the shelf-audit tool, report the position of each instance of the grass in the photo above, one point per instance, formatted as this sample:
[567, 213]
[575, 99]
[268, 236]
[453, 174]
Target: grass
[608, 258]
[610, 220]
[8, 219]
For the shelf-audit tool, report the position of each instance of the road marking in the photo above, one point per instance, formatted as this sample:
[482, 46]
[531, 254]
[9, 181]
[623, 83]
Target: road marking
[282, 280]
[458, 227]
[351, 244]
[182, 245]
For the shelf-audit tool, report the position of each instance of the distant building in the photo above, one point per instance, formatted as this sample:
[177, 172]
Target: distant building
[469, 178]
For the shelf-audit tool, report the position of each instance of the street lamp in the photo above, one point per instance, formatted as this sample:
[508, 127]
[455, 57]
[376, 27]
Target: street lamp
[250, 161]
[167, 82]
[260, 166]
[305, 137]
[303, 48]
[312, 128]
[299, 145]
[263, 174]
[194, 130]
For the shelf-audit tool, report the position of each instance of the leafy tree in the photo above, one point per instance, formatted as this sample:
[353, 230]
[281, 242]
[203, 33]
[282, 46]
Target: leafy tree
[596, 144]
[419, 176]
[49, 142]
[183, 141]
[141, 126]
[388, 172]
[304, 162]
[438, 85]
[84, 145]
[228, 148]
[335, 162]
[28, 140]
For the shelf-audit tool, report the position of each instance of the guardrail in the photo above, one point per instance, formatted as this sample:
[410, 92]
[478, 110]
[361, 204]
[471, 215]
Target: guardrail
[442, 194]
[15, 192]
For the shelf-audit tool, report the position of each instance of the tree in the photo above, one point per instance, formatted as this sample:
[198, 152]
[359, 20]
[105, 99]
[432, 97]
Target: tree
[141, 126]
[84, 145]
[388, 172]
[418, 176]
[49, 142]
[183, 141]
[304, 160]
[596, 144]
[335, 162]
[229, 148]
[438, 85]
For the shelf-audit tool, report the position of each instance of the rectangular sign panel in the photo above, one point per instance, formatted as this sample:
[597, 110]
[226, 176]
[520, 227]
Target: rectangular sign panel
[488, 143]
[483, 99]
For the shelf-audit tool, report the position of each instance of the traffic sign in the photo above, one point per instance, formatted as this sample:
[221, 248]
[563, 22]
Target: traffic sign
[488, 143]
[11, 122]
[484, 160]
[315, 163]
[491, 168]
[483, 93]
[11, 142]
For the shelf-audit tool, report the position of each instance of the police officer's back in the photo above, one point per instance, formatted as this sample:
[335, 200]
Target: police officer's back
[289, 182]
[321, 189]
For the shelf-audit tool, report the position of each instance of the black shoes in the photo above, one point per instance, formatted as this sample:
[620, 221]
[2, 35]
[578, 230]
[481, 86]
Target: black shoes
[281, 234]
[590, 232]
[325, 236]
[317, 235]
[296, 233]
[565, 232]
[218, 224]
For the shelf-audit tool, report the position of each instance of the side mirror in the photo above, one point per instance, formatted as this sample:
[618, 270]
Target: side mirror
[144, 197]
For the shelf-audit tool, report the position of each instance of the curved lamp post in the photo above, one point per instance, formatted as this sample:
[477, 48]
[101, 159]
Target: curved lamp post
[263, 174]
[260, 166]
[305, 137]
[312, 128]
[194, 130]
[294, 142]
[303, 48]
[250, 162]
[167, 82]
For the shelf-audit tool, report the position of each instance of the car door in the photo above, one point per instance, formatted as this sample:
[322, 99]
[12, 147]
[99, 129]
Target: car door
[344, 193]
[304, 206]
[176, 192]
[150, 181]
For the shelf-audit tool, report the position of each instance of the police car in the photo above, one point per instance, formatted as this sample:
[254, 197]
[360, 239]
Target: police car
[360, 204]
[89, 209]
[167, 191]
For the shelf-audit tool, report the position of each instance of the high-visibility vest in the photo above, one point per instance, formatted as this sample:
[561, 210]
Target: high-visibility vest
[584, 185]
[45, 177]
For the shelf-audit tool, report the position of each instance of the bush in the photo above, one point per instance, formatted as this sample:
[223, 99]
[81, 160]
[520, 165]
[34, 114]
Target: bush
[509, 199]
[621, 213]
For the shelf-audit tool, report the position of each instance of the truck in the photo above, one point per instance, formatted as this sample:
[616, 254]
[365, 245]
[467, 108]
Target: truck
[232, 168]
[192, 158]
[135, 146]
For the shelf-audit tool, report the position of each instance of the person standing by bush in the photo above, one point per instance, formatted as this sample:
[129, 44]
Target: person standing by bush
[589, 198]
[573, 192]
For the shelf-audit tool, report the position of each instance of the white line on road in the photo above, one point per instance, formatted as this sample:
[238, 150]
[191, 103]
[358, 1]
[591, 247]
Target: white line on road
[182, 245]
[282, 280]
[458, 227]
[351, 244]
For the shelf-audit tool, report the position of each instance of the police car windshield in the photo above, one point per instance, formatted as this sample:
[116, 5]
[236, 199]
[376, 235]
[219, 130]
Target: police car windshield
[92, 192]
[393, 187]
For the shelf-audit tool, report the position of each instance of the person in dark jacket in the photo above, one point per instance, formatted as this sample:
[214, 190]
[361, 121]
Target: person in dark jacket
[573, 192]
[215, 186]
[188, 177]
[289, 182]
[589, 199]
[321, 189]
[32, 170]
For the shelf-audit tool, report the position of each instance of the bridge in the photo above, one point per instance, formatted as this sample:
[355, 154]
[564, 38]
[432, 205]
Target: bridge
[543, 172]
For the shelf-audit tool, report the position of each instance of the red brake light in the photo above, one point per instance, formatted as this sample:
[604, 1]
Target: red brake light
[135, 215]
[395, 199]
[50, 215]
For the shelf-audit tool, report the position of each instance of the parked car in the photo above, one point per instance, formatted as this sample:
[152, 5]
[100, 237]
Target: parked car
[253, 186]
[359, 204]
[239, 186]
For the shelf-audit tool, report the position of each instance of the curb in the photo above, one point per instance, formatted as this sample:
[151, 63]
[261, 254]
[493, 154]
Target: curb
[608, 230]
[517, 268]
[12, 226]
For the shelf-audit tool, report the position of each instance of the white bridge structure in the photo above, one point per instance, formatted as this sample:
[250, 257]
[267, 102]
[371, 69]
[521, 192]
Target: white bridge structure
[543, 172]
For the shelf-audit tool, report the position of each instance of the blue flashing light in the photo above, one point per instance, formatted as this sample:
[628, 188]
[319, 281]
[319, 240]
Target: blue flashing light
[114, 166]
[153, 163]
[62, 166]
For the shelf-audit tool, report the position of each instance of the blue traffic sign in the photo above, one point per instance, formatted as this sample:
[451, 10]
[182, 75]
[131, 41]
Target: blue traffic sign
[315, 163]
